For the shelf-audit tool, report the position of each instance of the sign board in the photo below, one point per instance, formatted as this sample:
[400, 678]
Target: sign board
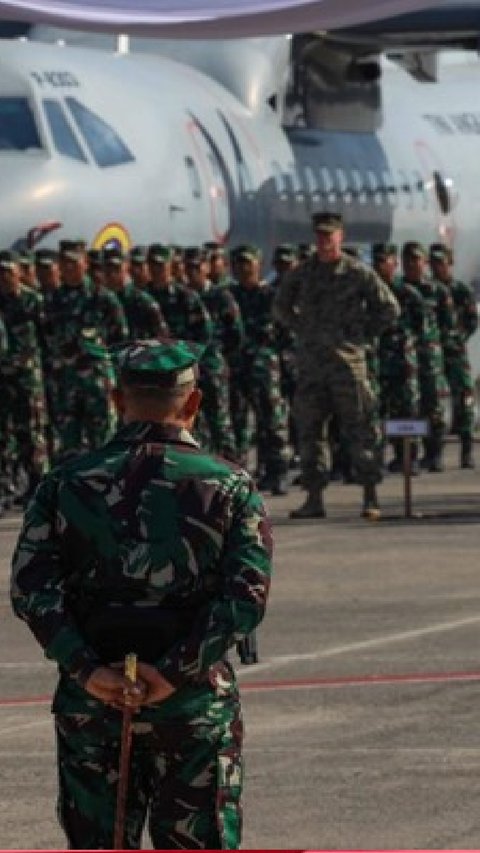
[407, 428]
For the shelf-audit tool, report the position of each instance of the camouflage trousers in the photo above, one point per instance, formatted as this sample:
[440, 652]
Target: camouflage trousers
[85, 415]
[256, 383]
[185, 780]
[459, 377]
[432, 388]
[214, 428]
[342, 389]
[22, 426]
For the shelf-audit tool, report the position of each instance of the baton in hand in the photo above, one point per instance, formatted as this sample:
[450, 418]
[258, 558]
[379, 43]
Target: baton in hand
[125, 749]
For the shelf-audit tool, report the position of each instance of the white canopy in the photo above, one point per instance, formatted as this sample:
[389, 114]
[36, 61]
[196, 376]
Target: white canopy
[206, 18]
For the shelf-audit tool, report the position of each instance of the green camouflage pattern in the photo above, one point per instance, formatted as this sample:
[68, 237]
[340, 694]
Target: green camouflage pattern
[148, 526]
[457, 363]
[184, 312]
[399, 387]
[143, 314]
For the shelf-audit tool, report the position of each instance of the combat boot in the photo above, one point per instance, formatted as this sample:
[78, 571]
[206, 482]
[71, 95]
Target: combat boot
[466, 457]
[436, 465]
[371, 508]
[313, 506]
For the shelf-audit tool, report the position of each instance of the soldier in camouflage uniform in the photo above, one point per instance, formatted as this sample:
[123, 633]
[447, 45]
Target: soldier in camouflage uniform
[438, 323]
[399, 387]
[225, 343]
[218, 273]
[256, 374]
[144, 316]
[95, 267]
[23, 409]
[28, 273]
[336, 305]
[139, 272]
[285, 259]
[83, 321]
[3, 462]
[152, 546]
[48, 275]
[184, 311]
[457, 363]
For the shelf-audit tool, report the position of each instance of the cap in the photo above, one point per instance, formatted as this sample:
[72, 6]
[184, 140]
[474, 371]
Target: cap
[46, 257]
[214, 248]
[247, 252]
[194, 256]
[167, 364]
[328, 222]
[159, 254]
[26, 258]
[113, 257]
[95, 257]
[72, 250]
[413, 249]
[440, 252]
[8, 259]
[381, 251]
[138, 255]
[305, 251]
[285, 252]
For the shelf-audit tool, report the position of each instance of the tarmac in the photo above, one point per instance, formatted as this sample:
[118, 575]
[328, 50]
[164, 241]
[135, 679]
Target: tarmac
[363, 715]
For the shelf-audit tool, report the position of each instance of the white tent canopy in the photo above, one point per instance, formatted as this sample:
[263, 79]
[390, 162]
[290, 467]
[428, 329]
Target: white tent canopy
[206, 18]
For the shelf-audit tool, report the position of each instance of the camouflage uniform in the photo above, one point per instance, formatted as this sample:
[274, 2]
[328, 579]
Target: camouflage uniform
[145, 319]
[336, 310]
[214, 370]
[457, 365]
[23, 409]
[256, 381]
[184, 312]
[155, 546]
[83, 322]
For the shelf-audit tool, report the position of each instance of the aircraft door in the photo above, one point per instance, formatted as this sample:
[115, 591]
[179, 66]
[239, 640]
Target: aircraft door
[213, 176]
[441, 189]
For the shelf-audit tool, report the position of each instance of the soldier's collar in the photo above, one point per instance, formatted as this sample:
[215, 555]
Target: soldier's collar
[148, 432]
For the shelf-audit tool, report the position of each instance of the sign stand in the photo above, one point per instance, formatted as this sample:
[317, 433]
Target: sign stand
[407, 429]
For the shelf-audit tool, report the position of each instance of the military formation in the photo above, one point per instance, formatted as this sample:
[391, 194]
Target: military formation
[304, 365]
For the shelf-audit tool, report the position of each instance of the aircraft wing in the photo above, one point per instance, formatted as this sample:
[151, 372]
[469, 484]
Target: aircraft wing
[206, 18]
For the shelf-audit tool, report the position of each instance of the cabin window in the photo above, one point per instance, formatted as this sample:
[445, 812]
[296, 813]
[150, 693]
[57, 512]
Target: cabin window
[18, 131]
[62, 134]
[104, 143]
[193, 177]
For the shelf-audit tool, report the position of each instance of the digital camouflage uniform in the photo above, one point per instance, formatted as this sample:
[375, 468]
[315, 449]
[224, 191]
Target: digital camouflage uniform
[256, 381]
[144, 316]
[336, 310]
[438, 322]
[171, 546]
[457, 364]
[23, 407]
[227, 336]
[83, 322]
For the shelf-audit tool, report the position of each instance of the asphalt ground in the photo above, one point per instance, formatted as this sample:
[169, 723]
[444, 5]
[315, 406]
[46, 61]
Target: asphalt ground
[363, 716]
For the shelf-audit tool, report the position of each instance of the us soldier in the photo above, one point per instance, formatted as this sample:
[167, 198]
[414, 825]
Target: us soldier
[144, 316]
[437, 324]
[226, 341]
[139, 267]
[399, 387]
[83, 322]
[23, 409]
[171, 559]
[256, 374]
[336, 305]
[457, 364]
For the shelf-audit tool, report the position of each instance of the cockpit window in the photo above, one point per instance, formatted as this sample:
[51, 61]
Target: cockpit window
[104, 143]
[63, 136]
[18, 131]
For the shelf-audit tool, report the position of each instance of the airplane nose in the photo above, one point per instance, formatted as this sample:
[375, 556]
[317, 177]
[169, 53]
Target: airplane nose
[29, 193]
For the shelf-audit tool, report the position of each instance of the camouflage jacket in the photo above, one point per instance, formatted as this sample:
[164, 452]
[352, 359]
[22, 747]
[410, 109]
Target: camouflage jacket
[227, 326]
[184, 312]
[24, 319]
[255, 305]
[82, 323]
[144, 316]
[465, 317]
[336, 309]
[402, 336]
[147, 521]
[439, 315]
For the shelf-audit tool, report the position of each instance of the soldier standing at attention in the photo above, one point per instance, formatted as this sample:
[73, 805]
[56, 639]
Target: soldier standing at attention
[138, 268]
[48, 275]
[457, 363]
[399, 387]
[170, 558]
[218, 273]
[84, 321]
[256, 374]
[184, 311]
[438, 324]
[337, 305]
[23, 407]
[226, 341]
[28, 274]
[144, 315]
[95, 267]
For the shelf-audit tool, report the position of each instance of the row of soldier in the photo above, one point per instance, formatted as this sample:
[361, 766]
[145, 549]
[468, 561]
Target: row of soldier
[61, 313]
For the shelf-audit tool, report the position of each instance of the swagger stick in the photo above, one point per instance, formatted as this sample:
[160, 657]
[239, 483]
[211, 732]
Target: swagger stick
[125, 749]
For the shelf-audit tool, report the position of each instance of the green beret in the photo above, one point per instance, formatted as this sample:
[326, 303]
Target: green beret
[414, 249]
[328, 222]
[155, 364]
[381, 251]
[8, 259]
[159, 254]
